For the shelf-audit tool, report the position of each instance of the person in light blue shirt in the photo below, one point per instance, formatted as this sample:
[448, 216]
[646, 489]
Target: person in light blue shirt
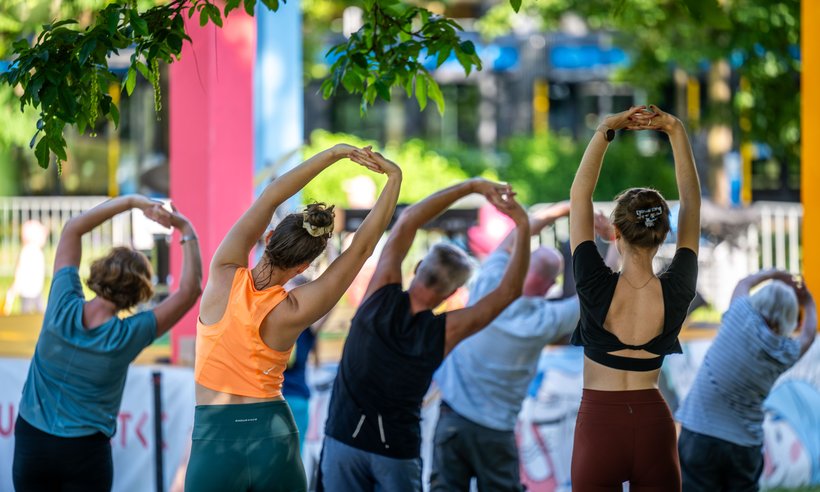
[722, 416]
[72, 395]
[484, 380]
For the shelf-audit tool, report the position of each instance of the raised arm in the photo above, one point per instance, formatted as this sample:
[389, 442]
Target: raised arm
[69, 249]
[808, 328]
[388, 269]
[307, 303]
[685, 174]
[539, 221]
[745, 285]
[464, 322]
[174, 307]
[237, 244]
[586, 178]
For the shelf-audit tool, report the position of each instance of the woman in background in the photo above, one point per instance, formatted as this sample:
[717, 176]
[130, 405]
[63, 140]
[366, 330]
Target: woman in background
[73, 392]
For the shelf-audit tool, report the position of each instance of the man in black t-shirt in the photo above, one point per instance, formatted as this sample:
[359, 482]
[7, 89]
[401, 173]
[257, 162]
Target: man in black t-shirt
[396, 343]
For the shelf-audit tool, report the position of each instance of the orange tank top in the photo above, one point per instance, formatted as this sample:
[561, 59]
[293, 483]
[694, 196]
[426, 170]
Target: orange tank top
[231, 356]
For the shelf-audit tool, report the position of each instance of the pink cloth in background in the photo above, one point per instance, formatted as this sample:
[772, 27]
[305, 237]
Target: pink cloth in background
[492, 228]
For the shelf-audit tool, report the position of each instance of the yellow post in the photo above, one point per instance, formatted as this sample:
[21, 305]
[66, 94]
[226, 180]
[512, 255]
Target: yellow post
[541, 107]
[810, 138]
[693, 101]
[746, 150]
[113, 145]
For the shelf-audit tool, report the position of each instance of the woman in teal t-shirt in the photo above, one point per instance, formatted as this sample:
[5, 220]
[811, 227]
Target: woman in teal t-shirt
[72, 395]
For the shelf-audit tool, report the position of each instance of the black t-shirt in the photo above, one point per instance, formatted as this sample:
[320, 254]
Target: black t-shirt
[389, 359]
[596, 284]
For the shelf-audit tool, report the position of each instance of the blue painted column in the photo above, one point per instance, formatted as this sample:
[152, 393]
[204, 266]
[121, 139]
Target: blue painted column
[278, 113]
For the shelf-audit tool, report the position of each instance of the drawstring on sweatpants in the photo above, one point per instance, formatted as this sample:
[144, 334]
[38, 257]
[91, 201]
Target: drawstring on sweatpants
[381, 429]
[358, 427]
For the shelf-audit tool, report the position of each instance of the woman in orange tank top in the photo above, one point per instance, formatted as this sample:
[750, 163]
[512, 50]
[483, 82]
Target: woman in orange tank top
[244, 436]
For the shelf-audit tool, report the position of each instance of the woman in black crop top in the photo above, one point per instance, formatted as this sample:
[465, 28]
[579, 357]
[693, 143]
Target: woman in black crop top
[631, 319]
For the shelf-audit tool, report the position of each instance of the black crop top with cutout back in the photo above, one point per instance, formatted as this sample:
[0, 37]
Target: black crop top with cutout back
[596, 284]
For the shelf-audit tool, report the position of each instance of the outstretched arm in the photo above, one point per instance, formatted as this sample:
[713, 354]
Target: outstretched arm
[685, 174]
[464, 322]
[69, 249]
[538, 222]
[237, 244]
[586, 178]
[388, 269]
[307, 303]
[174, 307]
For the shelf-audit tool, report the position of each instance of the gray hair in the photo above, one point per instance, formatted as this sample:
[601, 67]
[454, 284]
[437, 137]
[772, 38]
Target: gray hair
[777, 303]
[445, 268]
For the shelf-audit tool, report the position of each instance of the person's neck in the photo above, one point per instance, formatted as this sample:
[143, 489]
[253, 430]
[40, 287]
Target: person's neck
[265, 275]
[97, 311]
[421, 299]
[637, 264]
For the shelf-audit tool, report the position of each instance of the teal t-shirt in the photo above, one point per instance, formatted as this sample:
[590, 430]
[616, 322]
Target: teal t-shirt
[76, 378]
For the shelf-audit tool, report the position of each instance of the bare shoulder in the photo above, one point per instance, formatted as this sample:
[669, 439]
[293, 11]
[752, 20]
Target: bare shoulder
[216, 294]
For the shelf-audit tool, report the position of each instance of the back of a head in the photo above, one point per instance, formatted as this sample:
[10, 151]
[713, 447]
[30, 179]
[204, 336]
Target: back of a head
[444, 269]
[301, 237]
[777, 303]
[123, 277]
[546, 264]
[642, 217]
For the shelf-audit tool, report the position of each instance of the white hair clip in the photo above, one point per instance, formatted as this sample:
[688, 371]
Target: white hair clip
[312, 229]
[649, 215]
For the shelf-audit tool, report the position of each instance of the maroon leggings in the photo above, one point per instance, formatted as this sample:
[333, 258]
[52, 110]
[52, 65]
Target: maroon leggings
[625, 436]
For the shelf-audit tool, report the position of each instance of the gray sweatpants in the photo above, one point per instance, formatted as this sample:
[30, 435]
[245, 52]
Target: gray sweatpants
[464, 449]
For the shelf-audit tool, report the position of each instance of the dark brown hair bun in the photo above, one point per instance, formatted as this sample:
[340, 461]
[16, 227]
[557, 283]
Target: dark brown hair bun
[317, 215]
[642, 217]
[300, 238]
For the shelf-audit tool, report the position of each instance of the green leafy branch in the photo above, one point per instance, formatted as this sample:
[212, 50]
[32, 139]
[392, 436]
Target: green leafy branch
[64, 75]
[388, 50]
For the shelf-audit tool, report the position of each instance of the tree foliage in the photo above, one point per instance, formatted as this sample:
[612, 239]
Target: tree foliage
[389, 50]
[540, 169]
[61, 72]
[759, 39]
[425, 170]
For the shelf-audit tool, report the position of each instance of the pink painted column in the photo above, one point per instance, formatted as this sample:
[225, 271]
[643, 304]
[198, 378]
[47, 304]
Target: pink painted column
[211, 142]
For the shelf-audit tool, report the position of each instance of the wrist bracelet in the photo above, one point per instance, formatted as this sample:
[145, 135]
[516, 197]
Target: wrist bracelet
[187, 237]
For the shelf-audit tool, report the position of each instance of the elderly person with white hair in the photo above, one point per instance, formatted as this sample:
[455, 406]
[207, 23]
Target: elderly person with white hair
[722, 416]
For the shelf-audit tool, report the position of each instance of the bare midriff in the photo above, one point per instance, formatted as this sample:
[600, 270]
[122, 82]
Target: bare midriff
[207, 396]
[602, 378]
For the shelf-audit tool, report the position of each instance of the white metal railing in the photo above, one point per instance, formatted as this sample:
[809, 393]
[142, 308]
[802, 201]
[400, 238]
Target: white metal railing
[53, 212]
[771, 239]
[779, 235]
[774, 236]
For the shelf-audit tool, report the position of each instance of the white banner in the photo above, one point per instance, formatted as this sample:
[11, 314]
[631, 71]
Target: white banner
[133, 444]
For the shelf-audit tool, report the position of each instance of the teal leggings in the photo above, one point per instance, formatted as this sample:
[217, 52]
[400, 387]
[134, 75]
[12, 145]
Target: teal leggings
[245, 448]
